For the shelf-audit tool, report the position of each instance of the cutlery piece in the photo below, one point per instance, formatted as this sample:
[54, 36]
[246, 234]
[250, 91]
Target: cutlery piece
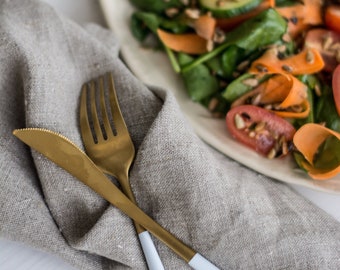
[71, 158]
[108, 143]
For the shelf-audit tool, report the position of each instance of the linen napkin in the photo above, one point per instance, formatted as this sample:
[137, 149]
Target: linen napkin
[236, 218]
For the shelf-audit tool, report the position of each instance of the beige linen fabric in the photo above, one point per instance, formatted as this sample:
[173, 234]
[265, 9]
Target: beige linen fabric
[235, 217]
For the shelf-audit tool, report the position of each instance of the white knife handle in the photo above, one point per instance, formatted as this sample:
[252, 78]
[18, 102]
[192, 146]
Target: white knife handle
[151, 255]
[198, 262]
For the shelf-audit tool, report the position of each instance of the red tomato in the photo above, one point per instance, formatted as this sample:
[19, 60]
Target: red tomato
[336, 88]
[323, 40]
[332, 18]
[260, 129]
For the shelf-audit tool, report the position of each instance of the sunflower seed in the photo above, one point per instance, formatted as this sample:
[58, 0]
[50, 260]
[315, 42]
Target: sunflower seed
[210, 45]
[219, 36]
[286, 37]
[192, 13]
[287, 68]
[243, 65]
[256, 100]
[310, 57]
[171, 12]
[271, 154]
[260, 126]
[327, 42]
[261, 68]
[239, 122]
[252, 82]
[317, 90]
[213, 104]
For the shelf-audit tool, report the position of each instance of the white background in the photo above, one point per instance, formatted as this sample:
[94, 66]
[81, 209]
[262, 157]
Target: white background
[16, 256]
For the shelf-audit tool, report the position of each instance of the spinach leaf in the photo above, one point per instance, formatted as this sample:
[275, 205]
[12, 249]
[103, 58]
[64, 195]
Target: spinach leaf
[225, 65]
[198, 81]
[264, 29]
[328, 156]
[312, 82]
[237, 88]
[230, 59]
[144, 23]
[326, 111]
[157, 6]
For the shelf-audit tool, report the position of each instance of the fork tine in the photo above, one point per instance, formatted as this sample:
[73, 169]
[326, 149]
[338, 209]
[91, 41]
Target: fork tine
[96, 126]
[84, 120]
[106, 122]
[118, 119]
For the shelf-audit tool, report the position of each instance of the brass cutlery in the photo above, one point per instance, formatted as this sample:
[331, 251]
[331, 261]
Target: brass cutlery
[108, 143]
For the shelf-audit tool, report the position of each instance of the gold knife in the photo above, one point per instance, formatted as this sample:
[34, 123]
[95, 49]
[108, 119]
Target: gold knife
[71, 158]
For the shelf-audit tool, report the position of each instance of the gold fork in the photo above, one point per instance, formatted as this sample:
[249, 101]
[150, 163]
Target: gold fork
[108, 143]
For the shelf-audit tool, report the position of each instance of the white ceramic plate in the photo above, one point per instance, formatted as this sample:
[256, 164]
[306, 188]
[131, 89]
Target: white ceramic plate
[154, 68]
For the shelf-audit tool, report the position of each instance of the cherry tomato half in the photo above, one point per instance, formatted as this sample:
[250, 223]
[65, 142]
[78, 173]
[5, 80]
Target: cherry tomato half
[336, 88]
[261, 130]
[332, 18]
[324, 41]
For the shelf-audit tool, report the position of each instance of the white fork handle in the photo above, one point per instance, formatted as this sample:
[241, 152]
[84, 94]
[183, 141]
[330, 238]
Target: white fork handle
[151, 255]
[198, 262]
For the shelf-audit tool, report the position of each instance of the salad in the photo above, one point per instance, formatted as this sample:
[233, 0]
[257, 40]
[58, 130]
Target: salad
[270, 68]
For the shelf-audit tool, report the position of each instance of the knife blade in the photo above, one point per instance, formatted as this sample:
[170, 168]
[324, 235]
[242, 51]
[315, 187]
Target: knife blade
[71, 158]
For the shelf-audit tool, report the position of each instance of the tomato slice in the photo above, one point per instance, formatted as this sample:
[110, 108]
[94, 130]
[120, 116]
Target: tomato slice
[332, 18]
[336, 88]
[261, 130]
[326, 42]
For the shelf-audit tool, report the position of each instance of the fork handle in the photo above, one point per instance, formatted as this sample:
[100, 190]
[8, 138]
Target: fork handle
[151, 255]
[150, 252]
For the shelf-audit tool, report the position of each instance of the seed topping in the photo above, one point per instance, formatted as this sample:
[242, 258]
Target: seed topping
[239, 122]
[310, 57]
[287, 68]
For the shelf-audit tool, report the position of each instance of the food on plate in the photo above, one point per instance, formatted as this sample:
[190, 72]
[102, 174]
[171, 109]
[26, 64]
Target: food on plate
[260, 129]
[272, 68]
[320, 148]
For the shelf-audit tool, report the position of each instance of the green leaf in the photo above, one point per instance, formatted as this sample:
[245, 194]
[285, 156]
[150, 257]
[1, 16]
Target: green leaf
[326, 111]
[264, 29]
[328, 156]
[143, 23]
[230, 59]
[158, 6]
[237, 88]
[198, 81]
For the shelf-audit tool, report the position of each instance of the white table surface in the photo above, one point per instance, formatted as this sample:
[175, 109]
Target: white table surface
[16, 256]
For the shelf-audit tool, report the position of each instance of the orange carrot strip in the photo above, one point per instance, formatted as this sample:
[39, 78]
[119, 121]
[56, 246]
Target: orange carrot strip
[307, 140]
[276, 89]
[289, 12]
[313, 12]
[308, 61]
[309, 12]
[187, 43]
[205, 26]
[297, 93]
[298, 115]
[282, 89]
[295, 29]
